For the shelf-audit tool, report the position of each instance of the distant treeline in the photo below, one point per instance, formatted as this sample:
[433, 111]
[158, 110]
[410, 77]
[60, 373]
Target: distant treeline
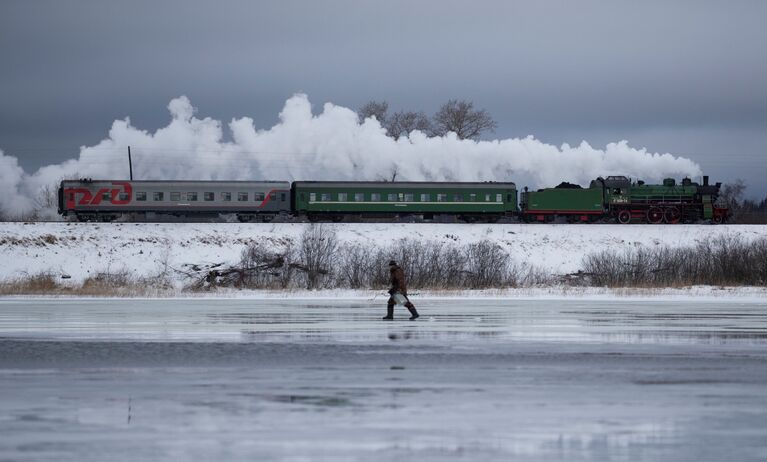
[743, 211]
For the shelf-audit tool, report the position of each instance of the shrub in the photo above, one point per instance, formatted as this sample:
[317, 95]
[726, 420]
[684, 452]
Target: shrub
[725, 260]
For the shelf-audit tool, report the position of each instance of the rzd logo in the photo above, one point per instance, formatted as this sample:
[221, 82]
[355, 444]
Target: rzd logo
[89, 198]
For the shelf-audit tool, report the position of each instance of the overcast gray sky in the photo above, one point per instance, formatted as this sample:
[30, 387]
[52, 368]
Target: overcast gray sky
[685, 77]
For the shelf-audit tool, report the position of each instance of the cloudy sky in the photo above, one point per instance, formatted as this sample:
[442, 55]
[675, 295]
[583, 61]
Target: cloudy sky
[684, 77]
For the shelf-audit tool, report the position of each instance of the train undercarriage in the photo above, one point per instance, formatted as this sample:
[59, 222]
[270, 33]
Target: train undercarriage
[104, 217]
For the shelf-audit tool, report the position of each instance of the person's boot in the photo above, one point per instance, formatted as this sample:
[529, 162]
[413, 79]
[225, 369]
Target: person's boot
[389, 313]
[413, 313]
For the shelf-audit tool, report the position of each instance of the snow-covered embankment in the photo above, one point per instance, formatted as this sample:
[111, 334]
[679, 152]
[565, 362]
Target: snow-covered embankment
[80, 250]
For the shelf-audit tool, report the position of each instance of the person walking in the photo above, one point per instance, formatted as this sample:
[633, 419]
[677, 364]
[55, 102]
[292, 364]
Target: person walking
[398, 293]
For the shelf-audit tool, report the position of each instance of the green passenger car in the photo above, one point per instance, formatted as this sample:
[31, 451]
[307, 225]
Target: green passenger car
[487, 201]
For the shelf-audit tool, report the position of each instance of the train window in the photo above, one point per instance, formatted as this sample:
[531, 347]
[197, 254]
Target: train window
[242, 196]
[342, 197]
[391, 197]
[472, 197]
[106, 197]
[425, 197]
[509, 198]
[409, 197]
[226, 196]
[175, 196]
[375, 197]
[487, 197]
[441, 197]
[499, 197]
[312, 197]
[158, 196]
[325, 197]
[457, 197]
[282, 197]
[272, 196]
[140, 195]
[208, 196]
[123, 196]
[359, 197]
[191, 196]
[258, 197]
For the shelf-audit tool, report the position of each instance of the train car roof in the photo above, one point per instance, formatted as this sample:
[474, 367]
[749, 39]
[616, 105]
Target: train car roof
[394, 184]
[180, 181]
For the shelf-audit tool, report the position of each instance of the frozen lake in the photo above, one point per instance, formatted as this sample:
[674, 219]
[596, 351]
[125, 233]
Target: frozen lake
[533, 380]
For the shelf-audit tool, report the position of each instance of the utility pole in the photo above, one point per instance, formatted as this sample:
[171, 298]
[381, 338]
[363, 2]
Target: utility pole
[130, 164]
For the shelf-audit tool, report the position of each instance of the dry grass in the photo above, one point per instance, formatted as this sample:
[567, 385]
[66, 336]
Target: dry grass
[100, 285]
[35, 284]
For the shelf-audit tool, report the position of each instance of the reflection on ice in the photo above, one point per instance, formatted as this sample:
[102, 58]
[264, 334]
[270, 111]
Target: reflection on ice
[275, 380]
[469, 321]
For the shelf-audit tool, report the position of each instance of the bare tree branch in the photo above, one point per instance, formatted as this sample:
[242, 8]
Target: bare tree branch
[404, 122]
[461, 118]
[377, 109]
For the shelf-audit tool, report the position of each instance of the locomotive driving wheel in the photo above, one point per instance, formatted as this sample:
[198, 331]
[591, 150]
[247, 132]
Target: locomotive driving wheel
[654, 215]
[672, 215]
[624, 217]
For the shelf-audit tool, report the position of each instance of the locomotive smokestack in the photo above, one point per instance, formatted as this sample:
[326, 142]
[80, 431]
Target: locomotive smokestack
[705, 180]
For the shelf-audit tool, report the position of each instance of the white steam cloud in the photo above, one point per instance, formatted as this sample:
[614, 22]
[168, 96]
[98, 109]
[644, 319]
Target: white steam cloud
[332, 145]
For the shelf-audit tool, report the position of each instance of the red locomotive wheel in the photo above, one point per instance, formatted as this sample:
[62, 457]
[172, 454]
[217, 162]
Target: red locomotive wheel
[654, 215]
[717, 219]
[624, 217]
[672, 215]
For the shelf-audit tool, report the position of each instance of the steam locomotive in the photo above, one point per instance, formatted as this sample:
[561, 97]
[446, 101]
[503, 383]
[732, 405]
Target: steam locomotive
[615, 198]
[618, 199]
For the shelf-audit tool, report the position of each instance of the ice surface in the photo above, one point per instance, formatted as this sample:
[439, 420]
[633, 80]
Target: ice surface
[536, 380]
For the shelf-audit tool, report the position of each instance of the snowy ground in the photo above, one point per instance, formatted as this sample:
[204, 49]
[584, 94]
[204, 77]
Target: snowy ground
[533, 380]
[81, 249]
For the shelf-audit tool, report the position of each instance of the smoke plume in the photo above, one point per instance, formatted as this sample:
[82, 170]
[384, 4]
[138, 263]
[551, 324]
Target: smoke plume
[331, 145]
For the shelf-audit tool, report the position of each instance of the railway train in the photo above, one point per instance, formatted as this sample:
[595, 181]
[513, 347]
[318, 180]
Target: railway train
[606, 199]
[618, 199]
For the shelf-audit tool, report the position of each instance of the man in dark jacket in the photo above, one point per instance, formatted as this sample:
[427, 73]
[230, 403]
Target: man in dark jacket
[398, 292]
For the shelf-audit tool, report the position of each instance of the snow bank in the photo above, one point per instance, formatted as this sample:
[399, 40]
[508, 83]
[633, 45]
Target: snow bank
[79, 250]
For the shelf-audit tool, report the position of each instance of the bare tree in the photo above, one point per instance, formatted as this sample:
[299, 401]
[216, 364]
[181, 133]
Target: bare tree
[487, 265]
[461, 118]
[404, 122]
[389, 176]
[394, 172]
[378, 109]
[318, 253]
[732, 197]
[356, 266]
[732, 193]
[47, 197]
